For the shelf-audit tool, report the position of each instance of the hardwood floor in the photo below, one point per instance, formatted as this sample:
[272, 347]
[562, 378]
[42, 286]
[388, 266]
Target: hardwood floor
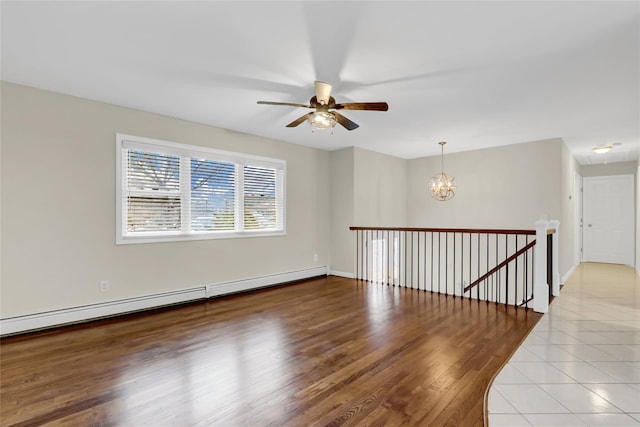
[325, 352]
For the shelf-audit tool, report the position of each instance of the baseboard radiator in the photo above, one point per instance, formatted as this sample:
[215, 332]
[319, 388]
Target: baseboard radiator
[32, 322]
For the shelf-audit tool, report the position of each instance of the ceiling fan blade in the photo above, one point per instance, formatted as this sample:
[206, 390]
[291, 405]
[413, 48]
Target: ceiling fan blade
[299, 120]
[375, 106]
[344, 121]
[323, 92]
[284, 103]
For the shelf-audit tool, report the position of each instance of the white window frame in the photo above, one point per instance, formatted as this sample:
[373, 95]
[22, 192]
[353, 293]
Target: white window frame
[124, 141]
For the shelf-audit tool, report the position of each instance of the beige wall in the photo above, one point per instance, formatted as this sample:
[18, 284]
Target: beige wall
[367, 189]
[342, 208]
[58, 207]
[504, 187]
[380, 195]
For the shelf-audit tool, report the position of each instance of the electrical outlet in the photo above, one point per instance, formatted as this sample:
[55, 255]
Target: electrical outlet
[315, 257]
[104, 286]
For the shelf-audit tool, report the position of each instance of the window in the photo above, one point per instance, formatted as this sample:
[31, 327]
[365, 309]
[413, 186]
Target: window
[168, 191]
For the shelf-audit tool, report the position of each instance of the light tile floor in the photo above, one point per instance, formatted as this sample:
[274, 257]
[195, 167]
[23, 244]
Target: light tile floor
[580, 366]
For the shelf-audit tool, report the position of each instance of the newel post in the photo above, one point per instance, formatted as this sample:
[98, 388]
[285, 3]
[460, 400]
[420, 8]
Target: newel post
[540, 287]
[554, 224]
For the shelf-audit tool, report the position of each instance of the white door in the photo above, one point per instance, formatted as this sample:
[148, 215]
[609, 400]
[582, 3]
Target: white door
[608, 219]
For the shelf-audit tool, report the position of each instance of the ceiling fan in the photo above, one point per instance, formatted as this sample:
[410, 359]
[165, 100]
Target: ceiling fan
[322, 102]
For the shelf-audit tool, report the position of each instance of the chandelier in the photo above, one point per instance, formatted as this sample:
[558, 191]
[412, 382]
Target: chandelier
[442, 186]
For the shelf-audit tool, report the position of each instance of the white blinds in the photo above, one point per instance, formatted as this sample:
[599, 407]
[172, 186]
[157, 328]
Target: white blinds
[260, 205]
[180, 191]
[153, 196]
[212, 195]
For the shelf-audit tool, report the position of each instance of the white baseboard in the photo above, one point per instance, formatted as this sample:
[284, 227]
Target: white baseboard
[47, 319]
[223, 288]
[569, 273]
[13, 325]
[342, 274]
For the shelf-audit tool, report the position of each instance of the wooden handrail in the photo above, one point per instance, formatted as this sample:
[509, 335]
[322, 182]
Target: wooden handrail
[449, 230]
[502, 264]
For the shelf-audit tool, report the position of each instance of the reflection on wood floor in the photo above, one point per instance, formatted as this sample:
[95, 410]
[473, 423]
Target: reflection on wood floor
[328, 351]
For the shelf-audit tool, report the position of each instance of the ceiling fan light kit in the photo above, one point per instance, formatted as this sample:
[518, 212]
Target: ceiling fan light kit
[442, 186]
[321, 120]
[322, 102]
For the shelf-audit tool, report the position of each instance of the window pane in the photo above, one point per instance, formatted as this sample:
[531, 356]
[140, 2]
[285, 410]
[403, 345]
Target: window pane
[212, 195]
[153, 213]
[169, 191]
[260, 211]
[153, 171]
[148, 173]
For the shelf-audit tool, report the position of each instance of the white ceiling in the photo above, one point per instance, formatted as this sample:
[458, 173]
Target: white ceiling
[475, 74]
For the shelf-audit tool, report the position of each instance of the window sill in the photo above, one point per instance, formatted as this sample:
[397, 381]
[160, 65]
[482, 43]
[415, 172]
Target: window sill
[127, 240]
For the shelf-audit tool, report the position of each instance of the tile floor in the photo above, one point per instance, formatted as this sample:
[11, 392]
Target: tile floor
[580, 366]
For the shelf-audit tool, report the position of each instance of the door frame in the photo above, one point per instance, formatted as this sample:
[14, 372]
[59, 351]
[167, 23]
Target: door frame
[632, 179]
[577, 219]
